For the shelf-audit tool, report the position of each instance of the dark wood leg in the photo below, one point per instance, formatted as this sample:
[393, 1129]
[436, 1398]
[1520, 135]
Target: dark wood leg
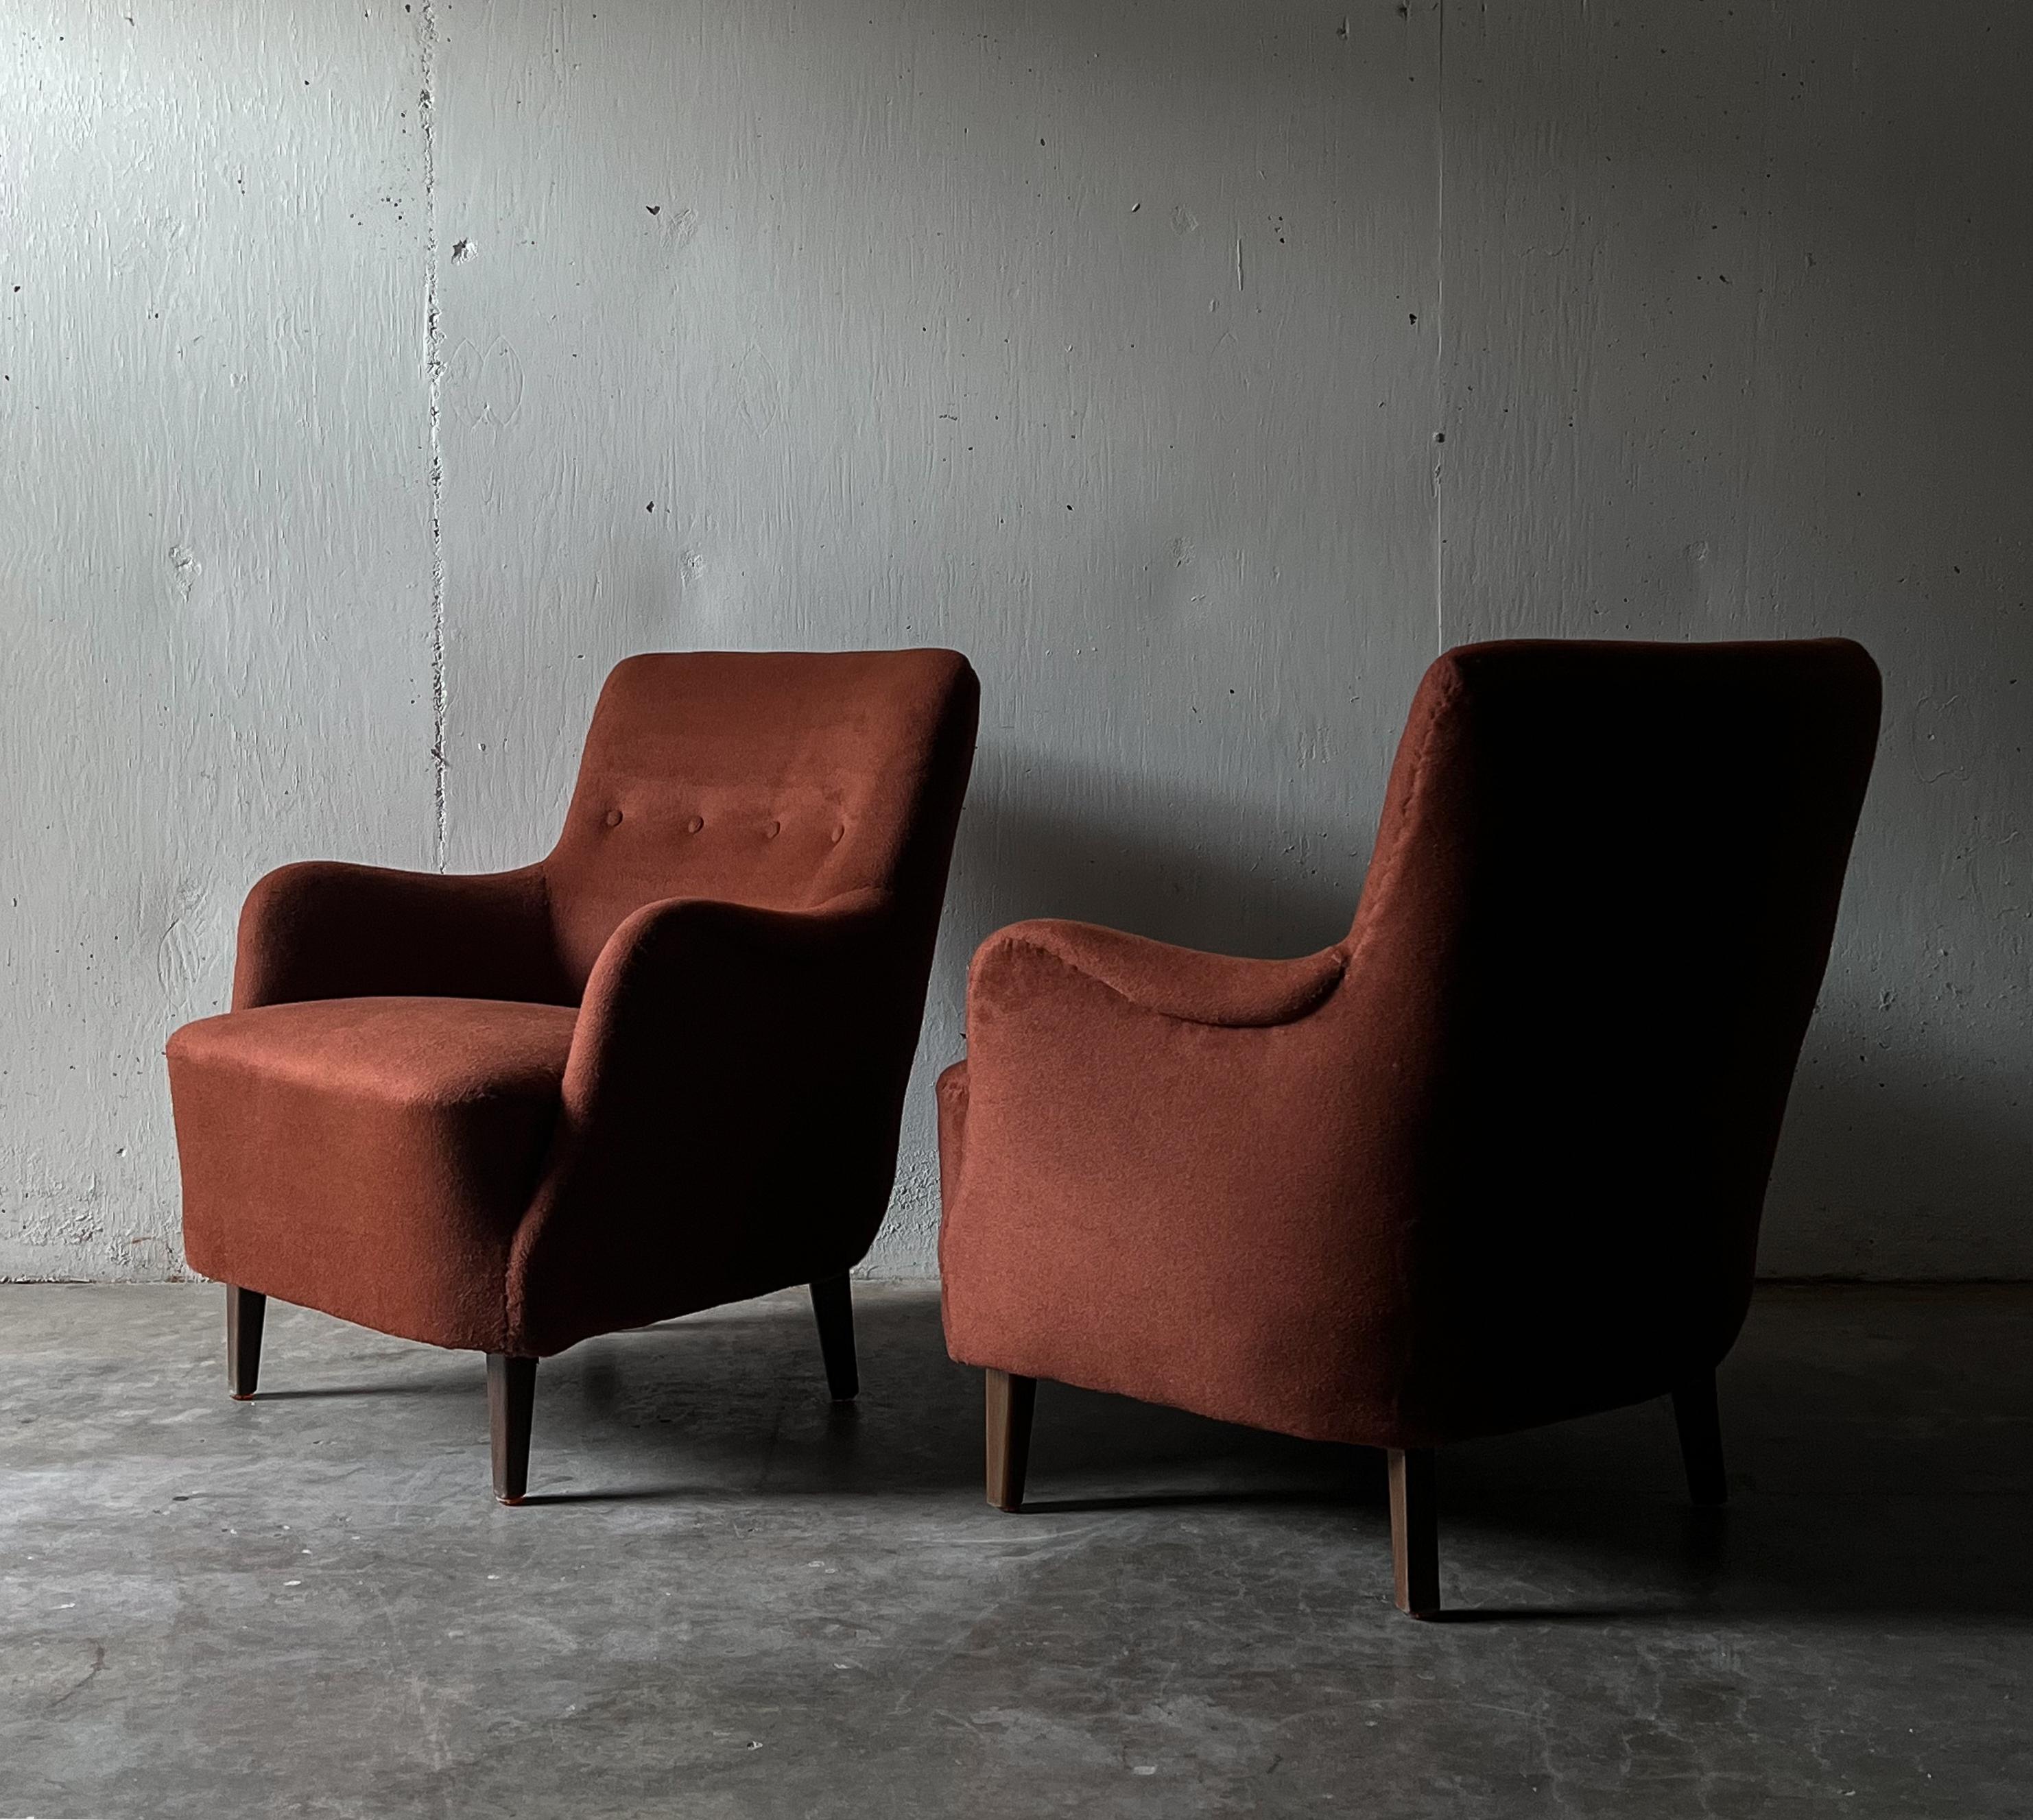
[1415, 1531]
[833, 1307]
[1701, 1440]
[1010, 1402]
[511, 1400]
[245, 1310]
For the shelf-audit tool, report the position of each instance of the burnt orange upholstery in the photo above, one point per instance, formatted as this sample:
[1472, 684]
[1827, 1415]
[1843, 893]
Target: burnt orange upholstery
[1496, 1158]
[662, 1069]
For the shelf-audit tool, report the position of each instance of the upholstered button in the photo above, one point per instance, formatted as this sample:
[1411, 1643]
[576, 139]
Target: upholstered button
[696, 823]
[614, 818]
[774, 829]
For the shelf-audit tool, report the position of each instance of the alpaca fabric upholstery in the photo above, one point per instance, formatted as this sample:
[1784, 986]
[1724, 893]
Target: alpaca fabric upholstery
[662, 1069]
[1496, 1158]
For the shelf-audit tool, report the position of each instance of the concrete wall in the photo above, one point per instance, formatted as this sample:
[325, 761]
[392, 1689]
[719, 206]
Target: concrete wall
[377, 378]
[215, 554]
[1736, 317]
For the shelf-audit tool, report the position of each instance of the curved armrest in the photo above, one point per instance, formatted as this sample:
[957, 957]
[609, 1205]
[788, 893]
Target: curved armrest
[324, 929]
[731, 1108]
[1118, 1060]
[1144, 1140]
[712, 991]
[1187, 984]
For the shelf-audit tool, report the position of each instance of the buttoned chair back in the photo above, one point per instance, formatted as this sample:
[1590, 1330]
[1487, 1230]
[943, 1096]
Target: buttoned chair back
[775, 779]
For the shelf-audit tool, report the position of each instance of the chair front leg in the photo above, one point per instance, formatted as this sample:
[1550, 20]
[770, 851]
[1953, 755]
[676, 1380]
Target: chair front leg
[1700, 1423]
[1415, 1532]
[511, 1402]
[833, 1308]
[245, 1311]
[1011, 1400]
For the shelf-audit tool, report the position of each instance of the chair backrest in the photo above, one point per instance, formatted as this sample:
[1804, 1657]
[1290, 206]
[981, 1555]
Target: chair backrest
[1604, 886]
[778, 779]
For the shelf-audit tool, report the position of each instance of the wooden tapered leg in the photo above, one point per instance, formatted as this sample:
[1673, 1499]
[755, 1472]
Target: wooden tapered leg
[1011, 1400]
[1701, 1440]
[245, 1310]
[1415, 1531]
[511, 1400]
[833, 1307]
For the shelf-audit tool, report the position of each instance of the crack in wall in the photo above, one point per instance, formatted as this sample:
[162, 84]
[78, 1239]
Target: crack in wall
[427, 46]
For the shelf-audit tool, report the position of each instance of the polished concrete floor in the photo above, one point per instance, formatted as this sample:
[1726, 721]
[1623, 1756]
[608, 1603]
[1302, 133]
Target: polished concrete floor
[727, 1598]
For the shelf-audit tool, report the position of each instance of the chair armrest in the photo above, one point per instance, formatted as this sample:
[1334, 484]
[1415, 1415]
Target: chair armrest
[730, 1112]
[1186, 984]
[1148, 1165]
[1107, 1058]
[324, 929]
[708, 990]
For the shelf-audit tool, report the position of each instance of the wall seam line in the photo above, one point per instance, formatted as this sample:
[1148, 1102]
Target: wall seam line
[427, 37]
[1440, 393]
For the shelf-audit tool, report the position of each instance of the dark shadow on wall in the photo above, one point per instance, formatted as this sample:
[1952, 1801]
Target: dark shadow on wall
[1919, 1131]
[1047, 838]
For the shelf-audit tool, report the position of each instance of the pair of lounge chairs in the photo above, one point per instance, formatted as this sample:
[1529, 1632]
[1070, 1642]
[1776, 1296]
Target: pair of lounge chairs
[1495, 1159]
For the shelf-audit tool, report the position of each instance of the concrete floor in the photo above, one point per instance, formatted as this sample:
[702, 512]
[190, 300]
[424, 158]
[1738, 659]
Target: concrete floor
[728, 1599]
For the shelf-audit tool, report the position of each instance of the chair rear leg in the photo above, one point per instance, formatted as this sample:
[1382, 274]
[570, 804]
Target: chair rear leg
[1415, 1532]
[245, 1310]
[511, 1401]
[1011, 1400]
[1700, 1423]
[833, 1308]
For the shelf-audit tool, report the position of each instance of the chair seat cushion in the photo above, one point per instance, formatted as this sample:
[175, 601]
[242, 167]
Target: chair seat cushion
[369, 1156]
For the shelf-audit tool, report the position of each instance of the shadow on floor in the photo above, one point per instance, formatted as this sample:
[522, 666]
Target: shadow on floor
[1881, 1446]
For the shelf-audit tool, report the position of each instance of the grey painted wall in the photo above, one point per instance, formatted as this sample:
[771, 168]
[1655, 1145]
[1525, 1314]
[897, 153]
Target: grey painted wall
[376, 378]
